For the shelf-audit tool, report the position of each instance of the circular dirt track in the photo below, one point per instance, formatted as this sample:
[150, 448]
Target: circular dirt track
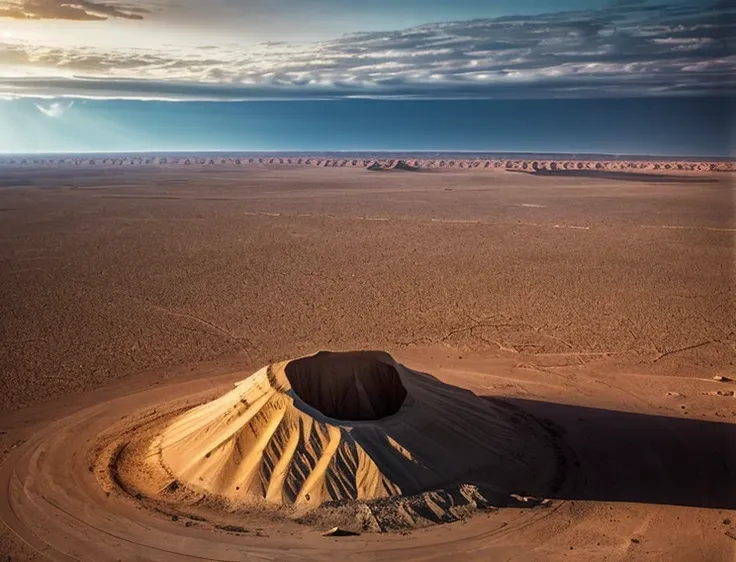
[67, 500]
[620, 468]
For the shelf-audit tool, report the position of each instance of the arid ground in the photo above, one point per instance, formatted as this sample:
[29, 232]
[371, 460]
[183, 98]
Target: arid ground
[604, 307]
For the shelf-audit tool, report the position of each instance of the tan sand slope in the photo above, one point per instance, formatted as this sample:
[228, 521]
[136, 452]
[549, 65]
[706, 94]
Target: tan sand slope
[350, 426]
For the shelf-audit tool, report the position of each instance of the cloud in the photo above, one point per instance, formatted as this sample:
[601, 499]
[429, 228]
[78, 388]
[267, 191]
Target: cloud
[78, 10]
[55, 109]
[643, 50]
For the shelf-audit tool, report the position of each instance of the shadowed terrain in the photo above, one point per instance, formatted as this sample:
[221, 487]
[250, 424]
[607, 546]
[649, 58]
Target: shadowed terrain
[628, 457]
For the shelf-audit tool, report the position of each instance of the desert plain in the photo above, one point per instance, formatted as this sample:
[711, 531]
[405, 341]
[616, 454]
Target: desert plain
[603, 306]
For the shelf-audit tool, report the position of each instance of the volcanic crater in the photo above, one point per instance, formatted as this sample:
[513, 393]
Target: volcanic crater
[349, 437]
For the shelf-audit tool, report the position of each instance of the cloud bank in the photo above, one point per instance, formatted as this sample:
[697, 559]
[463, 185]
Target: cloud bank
[630, 49]
[77, 10]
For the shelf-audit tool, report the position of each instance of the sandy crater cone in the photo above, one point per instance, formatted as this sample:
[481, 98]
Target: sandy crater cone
[349, 426]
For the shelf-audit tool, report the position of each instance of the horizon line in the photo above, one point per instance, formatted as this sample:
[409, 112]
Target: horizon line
[397, 153]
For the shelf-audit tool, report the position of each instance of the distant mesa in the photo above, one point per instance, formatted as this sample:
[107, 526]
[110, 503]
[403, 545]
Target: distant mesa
[528, 165]
[400, 165]
[346, 430]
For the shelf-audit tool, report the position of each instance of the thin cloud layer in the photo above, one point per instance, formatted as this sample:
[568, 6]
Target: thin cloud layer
[631, 49]
[77, 10]
[55, 109]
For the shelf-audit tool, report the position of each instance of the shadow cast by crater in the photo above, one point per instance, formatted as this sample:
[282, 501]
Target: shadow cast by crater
[626, 457]
[624, 176]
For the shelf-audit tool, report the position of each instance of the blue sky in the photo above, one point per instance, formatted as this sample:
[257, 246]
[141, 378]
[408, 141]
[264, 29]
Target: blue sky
[684, 126]
[58, 61]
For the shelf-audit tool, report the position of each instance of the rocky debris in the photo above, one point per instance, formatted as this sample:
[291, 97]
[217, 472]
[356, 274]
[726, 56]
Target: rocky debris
[338, 532]
[231, 528]
[403, 513]
[721, 393]
[530, 500]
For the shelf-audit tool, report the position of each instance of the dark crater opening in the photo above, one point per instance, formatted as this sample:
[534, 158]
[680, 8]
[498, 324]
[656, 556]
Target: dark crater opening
[347, 386]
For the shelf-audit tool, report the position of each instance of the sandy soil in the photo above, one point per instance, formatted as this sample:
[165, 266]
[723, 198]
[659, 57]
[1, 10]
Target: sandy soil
[602, 307]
